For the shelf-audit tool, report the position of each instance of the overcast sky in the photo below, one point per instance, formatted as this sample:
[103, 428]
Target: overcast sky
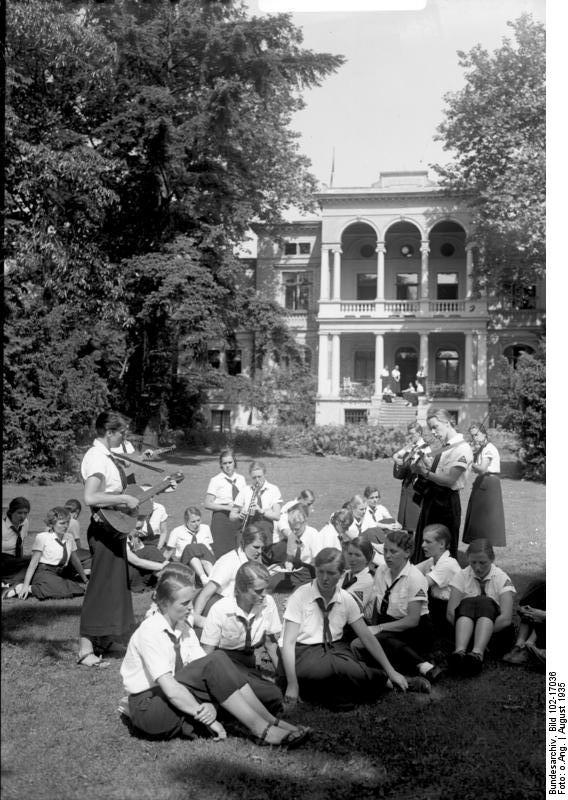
[381, 109]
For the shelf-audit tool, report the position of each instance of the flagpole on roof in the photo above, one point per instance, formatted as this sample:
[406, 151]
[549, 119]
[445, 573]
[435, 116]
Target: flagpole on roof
[332, 168]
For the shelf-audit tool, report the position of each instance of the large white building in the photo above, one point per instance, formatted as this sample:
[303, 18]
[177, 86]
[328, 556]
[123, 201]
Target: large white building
[383, 277]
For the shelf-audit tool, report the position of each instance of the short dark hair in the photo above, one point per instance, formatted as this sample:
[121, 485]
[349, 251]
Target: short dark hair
[73, 505]
[109, 421]
[17, 504]
[362, 543]
[402, 539]
[330, 555]
[481, 546]
[55, 514]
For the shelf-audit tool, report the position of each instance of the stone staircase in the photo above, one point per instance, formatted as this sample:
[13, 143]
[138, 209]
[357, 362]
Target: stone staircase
[392, 415]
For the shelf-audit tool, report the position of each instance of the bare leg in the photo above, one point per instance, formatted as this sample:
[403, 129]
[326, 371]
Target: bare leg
[87, 656]
[237, 704]
[483, 630]
[523, 634]
[207, 566]
[464, 629]
[195, 564]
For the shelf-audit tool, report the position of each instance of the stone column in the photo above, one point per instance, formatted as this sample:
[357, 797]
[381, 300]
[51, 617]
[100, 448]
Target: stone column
[423, 358]
[381, 250]
[335, 364]
[482, 364]
[468, 366]
[324, 283]
[424, 276]
[379, 363]
[323, 365]
[469, 269]
[336, 273]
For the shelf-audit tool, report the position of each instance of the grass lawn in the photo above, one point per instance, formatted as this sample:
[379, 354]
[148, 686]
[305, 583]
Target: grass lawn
[62, 737]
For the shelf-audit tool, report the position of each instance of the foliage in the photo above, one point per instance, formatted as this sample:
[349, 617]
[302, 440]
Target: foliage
[446, 390]
[495, 129]
[519, 405]
[142, 140]
[356, 441]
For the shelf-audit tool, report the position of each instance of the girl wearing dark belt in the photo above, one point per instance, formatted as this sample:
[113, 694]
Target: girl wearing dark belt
[175, 689]
[222, 490]
[485, 517]
[317, 664]
[107, 613]
[241, 624]
[444, 476]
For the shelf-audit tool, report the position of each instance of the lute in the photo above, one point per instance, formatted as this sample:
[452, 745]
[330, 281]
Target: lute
[123, 519]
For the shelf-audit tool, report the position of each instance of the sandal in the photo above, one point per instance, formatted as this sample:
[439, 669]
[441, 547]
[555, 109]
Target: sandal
[302, 728]
[99, 663]
[290, 741]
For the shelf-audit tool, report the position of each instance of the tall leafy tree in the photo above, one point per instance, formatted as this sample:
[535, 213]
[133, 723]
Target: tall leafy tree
[143, 137]
[495, 129]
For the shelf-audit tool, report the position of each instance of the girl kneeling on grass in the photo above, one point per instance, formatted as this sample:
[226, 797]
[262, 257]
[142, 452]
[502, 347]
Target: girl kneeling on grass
[175, 689]
[48, 576]
[317, 664]
[480, 605]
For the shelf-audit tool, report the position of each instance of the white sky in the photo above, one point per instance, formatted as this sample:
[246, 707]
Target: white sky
[381, 109]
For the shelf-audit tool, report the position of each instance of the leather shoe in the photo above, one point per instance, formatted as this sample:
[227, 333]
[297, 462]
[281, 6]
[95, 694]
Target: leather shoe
[419, 684]
[435, 674]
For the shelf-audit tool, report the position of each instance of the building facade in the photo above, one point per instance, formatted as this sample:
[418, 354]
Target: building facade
[384, 278]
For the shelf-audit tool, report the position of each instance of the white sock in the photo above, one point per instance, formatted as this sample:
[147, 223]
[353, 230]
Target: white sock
[424, 667]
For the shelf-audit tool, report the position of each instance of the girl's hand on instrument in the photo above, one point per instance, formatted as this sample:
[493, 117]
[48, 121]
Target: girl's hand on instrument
[206, 714]
[130, 501]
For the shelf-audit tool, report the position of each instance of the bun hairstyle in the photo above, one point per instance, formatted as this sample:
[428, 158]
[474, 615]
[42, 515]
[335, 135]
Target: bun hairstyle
[247, 573]
[17, 504]
[170, 580]
[342, 519]
[363, 543]
[402, 539]
[330, 555]
[481, 546]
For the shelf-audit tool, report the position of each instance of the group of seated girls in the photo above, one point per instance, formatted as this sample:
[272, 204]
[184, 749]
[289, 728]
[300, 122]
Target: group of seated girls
[346, 636]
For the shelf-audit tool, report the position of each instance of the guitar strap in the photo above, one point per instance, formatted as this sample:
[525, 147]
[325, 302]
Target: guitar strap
[140, 463]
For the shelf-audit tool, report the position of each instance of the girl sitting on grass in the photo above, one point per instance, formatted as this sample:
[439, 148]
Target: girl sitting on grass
[480, 606]
[54, 552]
[316, 664]
[175, 689]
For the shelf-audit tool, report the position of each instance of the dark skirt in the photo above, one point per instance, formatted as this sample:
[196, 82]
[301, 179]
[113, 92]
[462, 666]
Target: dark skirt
[485, 518]
[408, 510]
[140, 578]
[404, 649]
[211, 679]
[52, 583]
[443, 506]
[266, 690]
[225, 533]
[335, 678]
[107, 608]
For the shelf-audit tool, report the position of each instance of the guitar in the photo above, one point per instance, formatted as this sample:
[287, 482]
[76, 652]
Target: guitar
[122, 519]
[154, 455]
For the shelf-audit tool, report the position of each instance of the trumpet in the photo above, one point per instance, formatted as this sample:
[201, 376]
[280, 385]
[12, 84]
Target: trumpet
[251, 505]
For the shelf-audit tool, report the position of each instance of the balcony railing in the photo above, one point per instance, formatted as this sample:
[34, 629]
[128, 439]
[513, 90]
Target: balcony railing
[427, 307]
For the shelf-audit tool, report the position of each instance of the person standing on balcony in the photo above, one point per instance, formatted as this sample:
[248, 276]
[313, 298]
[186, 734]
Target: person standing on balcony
[485, 517]
[395, 380]
[444, 476]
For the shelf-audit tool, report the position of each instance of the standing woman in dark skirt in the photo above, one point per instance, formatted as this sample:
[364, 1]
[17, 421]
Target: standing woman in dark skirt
[485, 518]
[221, 493]
[107, 612]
